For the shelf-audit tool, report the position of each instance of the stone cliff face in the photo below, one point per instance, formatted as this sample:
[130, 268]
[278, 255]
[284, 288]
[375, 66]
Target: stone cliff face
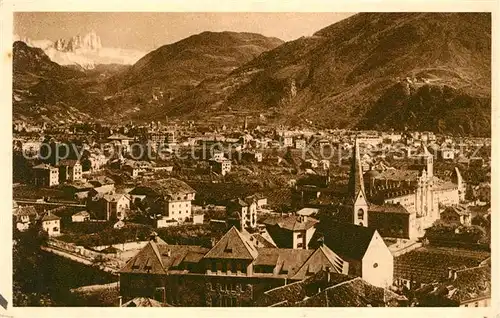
[90, 41]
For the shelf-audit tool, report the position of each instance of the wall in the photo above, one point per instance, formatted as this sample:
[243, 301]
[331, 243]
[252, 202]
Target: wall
[377, 253]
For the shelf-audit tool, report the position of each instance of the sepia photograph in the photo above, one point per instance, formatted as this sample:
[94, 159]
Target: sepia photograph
[251, 159]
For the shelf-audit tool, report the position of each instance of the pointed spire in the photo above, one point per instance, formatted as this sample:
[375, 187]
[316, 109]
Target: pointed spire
[356, 182]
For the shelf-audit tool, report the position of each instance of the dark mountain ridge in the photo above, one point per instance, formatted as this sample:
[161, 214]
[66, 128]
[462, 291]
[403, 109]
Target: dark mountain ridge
[336, 77]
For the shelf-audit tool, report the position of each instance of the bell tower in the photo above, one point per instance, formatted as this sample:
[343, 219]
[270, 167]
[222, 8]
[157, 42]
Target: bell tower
[356, 189]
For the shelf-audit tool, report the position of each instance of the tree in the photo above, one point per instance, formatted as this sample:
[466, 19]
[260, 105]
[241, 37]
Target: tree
[29, 277]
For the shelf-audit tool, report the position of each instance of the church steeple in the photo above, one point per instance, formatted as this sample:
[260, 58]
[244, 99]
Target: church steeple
[356, 182]
[356, 197]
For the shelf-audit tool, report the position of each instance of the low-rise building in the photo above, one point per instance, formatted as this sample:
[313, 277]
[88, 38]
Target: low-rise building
[82, 216]
[456, 214]
[51, 224]
[292, 231]
[464, 287]
[24, 217]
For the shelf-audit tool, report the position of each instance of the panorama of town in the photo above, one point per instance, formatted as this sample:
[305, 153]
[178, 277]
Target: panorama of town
[240, 213]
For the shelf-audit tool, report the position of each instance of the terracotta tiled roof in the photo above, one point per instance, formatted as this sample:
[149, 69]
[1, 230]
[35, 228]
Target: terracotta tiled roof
[321, 258]
[398, 175]
[329, 290]
[463, 286]
[388, 208]
[472, 283]
[292, 222]
[142, 302]
[234, 245]
[262, 241]
[458, 209]
[50, 217]
[158, 258]
[287, 261]
[429, 264]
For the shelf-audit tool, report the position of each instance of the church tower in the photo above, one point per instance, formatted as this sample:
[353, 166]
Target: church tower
[356, 189]
[426, 160]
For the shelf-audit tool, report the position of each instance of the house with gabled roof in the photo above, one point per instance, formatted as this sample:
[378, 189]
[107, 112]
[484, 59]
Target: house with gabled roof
[327, 289]
[291, 231]
[464, 287]
[51, 224]
[362, 247]
[24, 217]
[233, 272]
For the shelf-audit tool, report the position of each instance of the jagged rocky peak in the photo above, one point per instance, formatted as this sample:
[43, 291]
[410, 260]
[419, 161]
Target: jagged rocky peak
[90, 41]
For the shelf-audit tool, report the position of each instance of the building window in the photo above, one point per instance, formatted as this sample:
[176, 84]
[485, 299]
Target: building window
[476, 304]
[361, 214]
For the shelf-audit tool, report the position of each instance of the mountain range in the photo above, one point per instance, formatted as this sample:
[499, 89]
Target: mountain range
[85, 51]
[426, 71]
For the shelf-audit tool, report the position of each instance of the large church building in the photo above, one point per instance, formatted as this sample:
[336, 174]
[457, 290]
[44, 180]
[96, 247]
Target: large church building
[399, 203]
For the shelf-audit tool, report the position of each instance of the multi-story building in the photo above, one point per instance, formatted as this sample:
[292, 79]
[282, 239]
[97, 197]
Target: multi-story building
[108, 206]
[399, 203]
[221, 166]
[171, 198]
[45, 175]
[243, 213]
[234, 272]
[70, 170]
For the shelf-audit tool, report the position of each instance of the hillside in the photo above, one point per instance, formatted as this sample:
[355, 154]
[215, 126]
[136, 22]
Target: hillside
[164, 73]
[42, 89]
[372, 70]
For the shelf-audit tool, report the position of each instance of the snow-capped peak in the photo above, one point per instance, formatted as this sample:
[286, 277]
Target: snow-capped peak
[89, 42]
[85, 51]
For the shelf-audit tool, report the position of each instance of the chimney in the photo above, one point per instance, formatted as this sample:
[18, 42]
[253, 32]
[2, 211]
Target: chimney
[452, 273]
[328, 274]
[169, 253]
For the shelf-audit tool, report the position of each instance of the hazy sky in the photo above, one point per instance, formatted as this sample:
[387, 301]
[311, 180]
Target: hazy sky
[146, 31]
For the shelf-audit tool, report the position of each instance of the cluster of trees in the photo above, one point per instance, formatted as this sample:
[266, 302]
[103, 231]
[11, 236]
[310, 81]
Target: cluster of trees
[96, 234]
[447, 233]
[30, 287]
